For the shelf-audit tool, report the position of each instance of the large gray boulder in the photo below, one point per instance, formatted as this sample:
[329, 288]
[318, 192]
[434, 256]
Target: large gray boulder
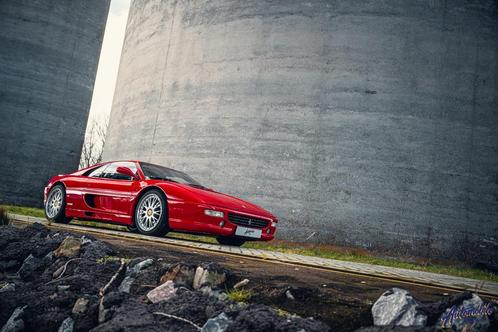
[397, 307]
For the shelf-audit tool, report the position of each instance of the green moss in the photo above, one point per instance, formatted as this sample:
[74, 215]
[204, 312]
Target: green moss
[239, 295]
[282, 312]
[106, 259]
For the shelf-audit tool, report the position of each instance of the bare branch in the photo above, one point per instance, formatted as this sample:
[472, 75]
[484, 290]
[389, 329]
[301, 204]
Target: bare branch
[93, 146]
[179, 318]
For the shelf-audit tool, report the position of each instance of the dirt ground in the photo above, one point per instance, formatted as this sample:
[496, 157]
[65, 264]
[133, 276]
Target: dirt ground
[341, 300]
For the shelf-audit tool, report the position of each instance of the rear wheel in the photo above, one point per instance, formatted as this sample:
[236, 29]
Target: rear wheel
[55, 207]
[231, 240]
[151, 214]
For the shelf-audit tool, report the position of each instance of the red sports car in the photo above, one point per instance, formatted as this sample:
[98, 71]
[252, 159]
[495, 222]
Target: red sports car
[153, 200]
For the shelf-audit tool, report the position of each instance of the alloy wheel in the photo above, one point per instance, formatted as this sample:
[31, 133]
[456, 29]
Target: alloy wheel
[149, 212]
[54, 203]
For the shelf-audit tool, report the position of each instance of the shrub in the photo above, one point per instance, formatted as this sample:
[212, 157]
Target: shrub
[4, 218]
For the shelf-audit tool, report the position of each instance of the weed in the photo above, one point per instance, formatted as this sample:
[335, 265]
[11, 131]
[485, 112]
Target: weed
[106, 259]
[239, 295]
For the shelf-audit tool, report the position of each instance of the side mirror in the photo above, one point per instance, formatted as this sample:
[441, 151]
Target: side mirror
[126, 171]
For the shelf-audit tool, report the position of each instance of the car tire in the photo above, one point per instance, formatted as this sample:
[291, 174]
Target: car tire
[231, 241]
[55, 206]
[151, 214]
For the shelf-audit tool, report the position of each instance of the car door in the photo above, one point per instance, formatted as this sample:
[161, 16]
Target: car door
[113, 193]
[77, 188]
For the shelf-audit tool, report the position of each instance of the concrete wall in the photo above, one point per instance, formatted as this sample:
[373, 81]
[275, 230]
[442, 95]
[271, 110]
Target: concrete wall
[49, 51]
[359, 123]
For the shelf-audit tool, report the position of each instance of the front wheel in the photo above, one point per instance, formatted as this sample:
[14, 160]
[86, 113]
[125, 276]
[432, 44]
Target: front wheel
[55, 207]
[231, 241]
[151, 214]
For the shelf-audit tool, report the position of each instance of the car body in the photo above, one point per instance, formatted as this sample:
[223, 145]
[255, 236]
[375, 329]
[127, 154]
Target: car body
[111, 191]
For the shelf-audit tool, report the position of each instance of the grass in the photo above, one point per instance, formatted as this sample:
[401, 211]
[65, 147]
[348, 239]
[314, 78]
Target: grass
[306, 249]
[239, 295]
[27, 211]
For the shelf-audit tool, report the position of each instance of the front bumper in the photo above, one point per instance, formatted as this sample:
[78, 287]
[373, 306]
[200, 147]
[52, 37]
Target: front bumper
[221, 226]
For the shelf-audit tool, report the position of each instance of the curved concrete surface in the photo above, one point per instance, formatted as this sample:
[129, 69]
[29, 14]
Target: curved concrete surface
[49, 52]
[361, 123]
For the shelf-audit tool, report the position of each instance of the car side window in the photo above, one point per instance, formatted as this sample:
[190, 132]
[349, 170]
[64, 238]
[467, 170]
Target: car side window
[97, 172]
[111, 171]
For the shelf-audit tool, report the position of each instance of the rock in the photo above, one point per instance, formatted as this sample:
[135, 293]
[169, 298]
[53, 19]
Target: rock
[391, 328]
[8, 265]
[471, 315]
[70, 247]
[62, 288]
[180, 274]
[260, 318]
[32, 264]
[15, 322]
[219, 323]
[95, 250]
[163, 292]
[67, 325]
[85, 240]
[289, 295]
[199, 272]
[140, 266]
[434, 310]
[8, 234]
[126, 284]
[108, 304]
[397, 307]
[241, 284]
[80, 306]
[132, 273]
[10, 287]
[212, 276]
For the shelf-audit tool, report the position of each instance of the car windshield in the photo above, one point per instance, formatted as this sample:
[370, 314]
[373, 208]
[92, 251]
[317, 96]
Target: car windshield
[157, 172]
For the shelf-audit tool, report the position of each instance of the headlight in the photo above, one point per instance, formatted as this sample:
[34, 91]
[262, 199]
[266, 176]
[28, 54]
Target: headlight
[213, 213]
[273, 224]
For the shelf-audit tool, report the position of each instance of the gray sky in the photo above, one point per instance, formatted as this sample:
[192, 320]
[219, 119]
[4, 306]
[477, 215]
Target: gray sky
[109, 61]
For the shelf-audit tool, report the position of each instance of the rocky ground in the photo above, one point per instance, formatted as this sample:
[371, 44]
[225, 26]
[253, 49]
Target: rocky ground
[56, 281]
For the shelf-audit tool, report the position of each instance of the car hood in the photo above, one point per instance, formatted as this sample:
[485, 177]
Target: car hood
[226, 201]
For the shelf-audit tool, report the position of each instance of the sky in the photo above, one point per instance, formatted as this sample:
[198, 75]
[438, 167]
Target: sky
[110, 54]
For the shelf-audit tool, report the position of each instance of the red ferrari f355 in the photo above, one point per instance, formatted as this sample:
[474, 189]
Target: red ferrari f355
[153, 200]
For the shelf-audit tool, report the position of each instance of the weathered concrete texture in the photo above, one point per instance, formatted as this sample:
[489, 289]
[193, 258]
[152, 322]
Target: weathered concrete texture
[365, 123]
[49, 52]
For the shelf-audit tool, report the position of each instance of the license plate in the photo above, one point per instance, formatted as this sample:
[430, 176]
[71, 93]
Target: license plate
[248, 232]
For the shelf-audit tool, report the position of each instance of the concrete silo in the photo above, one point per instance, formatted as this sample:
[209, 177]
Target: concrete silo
[359, 123]
[49, 51]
